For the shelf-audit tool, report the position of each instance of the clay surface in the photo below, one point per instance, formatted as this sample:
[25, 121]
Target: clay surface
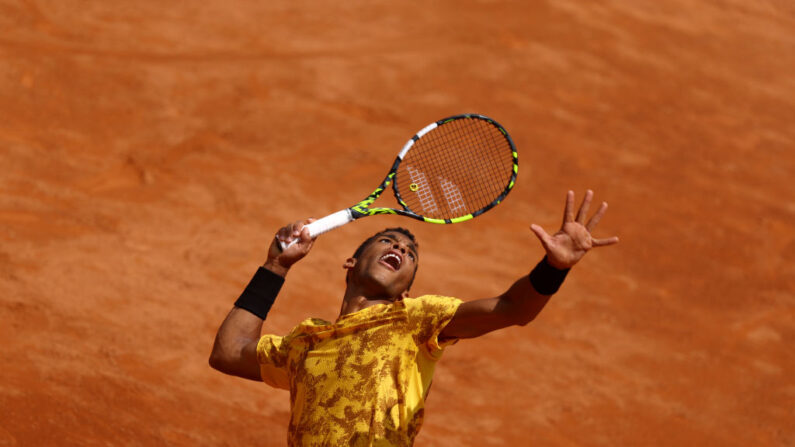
[148, 153]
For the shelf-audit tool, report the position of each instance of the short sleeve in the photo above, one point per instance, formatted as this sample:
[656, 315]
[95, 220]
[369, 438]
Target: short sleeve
[428, 315]
[273, 361]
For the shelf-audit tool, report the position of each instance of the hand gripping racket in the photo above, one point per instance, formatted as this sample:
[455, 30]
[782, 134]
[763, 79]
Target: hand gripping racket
[451, 171]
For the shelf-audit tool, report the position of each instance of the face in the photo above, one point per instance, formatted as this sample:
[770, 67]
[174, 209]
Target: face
[385, 268]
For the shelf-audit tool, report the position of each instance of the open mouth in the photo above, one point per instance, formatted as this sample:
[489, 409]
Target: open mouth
[392, 259]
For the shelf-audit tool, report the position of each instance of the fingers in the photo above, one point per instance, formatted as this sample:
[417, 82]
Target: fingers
[294, 230]
[582, 214]
[568, 213]
[596, 217]
[605, 242]
[283, 235]
[586, 204]
[305, 236]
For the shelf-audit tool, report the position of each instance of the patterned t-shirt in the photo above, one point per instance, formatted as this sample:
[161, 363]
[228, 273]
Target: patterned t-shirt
[363, 380]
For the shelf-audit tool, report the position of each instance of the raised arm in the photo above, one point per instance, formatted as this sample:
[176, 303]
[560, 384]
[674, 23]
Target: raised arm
[528, 295]
[235, 348]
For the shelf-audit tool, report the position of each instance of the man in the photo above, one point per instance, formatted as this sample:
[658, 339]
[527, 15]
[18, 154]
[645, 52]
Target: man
[363, 379]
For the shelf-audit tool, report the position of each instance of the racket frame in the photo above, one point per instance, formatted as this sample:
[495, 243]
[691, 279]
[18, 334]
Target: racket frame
[362, 209]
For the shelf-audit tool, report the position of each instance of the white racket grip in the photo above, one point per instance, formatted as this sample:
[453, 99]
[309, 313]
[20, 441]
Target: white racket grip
[325, 224]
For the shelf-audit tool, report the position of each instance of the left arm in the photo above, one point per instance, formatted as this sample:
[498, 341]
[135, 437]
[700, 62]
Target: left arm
[521, 303]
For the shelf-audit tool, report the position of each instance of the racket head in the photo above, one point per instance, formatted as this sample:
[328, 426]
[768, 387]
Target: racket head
[456, 169]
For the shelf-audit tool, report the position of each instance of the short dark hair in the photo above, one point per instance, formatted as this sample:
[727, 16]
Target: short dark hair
[401, 230]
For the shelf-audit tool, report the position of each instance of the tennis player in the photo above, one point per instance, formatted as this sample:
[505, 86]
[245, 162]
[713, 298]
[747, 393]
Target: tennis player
[362, 380]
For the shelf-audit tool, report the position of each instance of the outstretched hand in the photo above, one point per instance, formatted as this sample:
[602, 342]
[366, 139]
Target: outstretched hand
[566, 247]
[279, 261]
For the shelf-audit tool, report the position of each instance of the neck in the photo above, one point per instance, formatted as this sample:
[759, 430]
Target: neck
[355, 301]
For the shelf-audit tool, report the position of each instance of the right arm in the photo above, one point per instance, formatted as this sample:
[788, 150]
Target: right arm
[235, 348]
[522, 302]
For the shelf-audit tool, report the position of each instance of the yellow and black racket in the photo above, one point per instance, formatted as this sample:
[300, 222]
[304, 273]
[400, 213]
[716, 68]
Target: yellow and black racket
[451, 171]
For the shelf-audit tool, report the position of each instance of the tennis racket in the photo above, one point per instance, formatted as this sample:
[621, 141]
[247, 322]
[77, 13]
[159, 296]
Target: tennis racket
[451, 171]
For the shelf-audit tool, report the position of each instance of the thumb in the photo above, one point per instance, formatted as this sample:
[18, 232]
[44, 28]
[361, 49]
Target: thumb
[542, 235]
[304, 237]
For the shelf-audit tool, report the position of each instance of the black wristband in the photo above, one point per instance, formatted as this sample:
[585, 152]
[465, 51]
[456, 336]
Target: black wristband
[260, 292]
[547, 279]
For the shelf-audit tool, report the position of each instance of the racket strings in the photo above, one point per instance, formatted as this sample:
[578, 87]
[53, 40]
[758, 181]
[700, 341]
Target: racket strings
[462, 165]
[497, 168]
[471, 146]
[456, 169]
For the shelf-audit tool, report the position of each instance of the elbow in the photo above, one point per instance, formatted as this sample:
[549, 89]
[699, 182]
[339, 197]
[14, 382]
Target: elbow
[525, 315]
[215, 362]
[219, 363]
[523, 320]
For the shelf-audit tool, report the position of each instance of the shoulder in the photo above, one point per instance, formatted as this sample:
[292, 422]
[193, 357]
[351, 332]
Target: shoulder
[430, 306]
[307, 329]
[431, 301]
[302, 329]
[428, 316]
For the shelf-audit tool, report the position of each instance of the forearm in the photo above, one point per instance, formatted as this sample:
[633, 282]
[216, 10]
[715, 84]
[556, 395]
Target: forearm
[529, 294]
[519, 305]
[522, 302]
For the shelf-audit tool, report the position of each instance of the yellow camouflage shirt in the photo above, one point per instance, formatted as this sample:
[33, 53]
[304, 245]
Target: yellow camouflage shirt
[363, 380]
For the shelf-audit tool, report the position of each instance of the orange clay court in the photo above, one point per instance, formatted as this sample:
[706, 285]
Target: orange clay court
[148, 154]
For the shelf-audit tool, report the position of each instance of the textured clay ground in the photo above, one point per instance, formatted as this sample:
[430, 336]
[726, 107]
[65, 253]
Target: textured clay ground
[148, 152]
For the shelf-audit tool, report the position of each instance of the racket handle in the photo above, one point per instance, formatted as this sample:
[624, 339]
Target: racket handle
[325, 224]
